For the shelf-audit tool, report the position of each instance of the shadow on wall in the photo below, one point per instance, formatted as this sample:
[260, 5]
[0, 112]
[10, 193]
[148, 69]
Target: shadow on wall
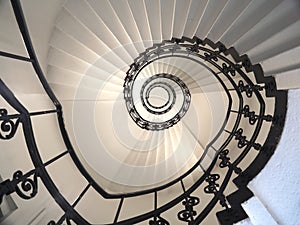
[7, 207]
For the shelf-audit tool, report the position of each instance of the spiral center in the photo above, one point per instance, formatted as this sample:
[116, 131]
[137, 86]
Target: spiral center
[158, 97]
[164, 100]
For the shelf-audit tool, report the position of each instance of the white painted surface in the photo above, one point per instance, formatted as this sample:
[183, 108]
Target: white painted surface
[257, 212]
[40, 17]
[277, 186]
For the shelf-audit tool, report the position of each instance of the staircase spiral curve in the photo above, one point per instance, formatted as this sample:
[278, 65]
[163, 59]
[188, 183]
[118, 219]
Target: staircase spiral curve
[150, 112]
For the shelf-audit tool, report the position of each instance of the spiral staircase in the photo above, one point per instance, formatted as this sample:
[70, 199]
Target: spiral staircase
[147, 112]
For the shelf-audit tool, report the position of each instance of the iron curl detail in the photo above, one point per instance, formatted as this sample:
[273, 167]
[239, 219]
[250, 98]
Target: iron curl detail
[27, 185]
[52, 222]
[252, 116]
[248, 89]
[158, 220]
[23, 185]
[242, 140]
[213, 188]
[187, 215]
[225, 161]
[8, 126]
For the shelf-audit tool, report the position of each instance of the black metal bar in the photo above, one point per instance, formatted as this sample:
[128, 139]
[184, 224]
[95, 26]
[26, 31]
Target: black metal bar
[34, 153]
[201, 167]
[81, 195]
[15, 116]
[182, 185]
[214, 201]
[155, 200]
[13, 56]
[43, 112]
[216, 150]
[19, 15]
[119, 210]
[55, 158]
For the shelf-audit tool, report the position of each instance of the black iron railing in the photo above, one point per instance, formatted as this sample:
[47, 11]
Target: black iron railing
[240, 80]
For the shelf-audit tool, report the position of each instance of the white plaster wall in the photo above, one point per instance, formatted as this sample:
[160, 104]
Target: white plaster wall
[277, 186]
[257, 212]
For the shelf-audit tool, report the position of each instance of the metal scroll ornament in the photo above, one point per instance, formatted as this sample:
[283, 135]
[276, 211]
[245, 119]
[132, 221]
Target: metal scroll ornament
[158, 221]
[22, 184]
[188, 214]
[8, 126]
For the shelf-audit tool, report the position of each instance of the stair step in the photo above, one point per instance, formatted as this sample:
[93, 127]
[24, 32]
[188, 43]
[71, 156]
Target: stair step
[277, 20]
[180, 17]
[283, 62]
[231, 12]
[288, 80]
[153, 8]
[211, 13]
[283, 41]
[167, 23]
[196, 11]
[256, 11]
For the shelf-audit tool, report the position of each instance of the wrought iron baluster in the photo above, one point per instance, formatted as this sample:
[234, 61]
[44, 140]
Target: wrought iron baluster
[211, 56]
[248, 89]
[188, 214]
[242, 140]
[213, 188]
[225, 161]
[22, 184]
[14, 56]
[157, 220]
[252, 116]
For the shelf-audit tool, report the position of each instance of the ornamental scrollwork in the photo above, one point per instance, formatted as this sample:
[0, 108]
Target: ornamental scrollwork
[248, 89]
[211, 56]
[23, 185]
[252, 117]
[8, 126]
[228, 69]
[249, 114]
[242, 140]
[213, 188]
[225, 161]
[66, 218]
[158, 220]
[187, 215]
